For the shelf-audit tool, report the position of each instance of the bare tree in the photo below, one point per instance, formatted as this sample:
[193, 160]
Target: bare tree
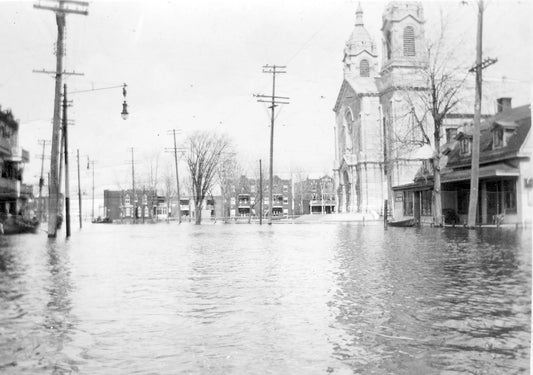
[427, 109]
[227, 175]
[204, 153]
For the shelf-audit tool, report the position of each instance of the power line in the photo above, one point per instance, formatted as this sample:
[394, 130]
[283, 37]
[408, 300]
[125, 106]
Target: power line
[175, 151]
[274, 102]
[60, 8]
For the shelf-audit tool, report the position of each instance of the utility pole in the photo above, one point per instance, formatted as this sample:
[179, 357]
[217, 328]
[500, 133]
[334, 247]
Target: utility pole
[90, 163]
[67, 184]
[41, 180]
[134, 201]
[478, 68]
[387, 169]
[61, 8]
[175, 151]
[274, 101]
[142, 204]
[260, 193]
[79, 185]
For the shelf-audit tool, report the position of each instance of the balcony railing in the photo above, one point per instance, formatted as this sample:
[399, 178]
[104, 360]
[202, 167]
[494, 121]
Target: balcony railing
[25, 156]
[26, 190]
[5, 146]
[9, 186]
[327, 202]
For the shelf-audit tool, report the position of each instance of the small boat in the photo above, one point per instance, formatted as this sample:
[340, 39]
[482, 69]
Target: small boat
[105, 220]
[18, 224]
[410, 222]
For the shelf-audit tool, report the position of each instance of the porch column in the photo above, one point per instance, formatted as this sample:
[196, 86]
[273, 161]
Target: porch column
[340, 199]
[484, 218]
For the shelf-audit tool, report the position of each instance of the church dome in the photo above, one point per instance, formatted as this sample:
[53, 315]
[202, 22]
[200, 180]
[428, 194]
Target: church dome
[360, 38]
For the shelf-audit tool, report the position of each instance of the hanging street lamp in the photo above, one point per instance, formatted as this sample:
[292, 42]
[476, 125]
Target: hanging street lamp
[124, 112]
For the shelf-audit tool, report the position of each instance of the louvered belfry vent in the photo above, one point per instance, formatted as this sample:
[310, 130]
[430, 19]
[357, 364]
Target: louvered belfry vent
[409, 41]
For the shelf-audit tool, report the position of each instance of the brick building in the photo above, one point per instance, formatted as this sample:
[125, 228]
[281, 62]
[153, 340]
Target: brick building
[243, 200]
[123, 204]
[14, 195]
[315, 196]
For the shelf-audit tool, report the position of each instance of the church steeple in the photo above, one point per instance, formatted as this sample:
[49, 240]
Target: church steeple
[360, 52]
[359, 16]
[403, 36]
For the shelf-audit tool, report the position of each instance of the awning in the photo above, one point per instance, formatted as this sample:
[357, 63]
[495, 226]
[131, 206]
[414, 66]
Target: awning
[485, 171]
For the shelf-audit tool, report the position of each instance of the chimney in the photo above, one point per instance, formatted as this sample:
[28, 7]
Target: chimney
[503, 104]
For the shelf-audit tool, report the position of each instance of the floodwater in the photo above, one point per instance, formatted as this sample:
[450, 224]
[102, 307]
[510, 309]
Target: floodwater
[285, 299]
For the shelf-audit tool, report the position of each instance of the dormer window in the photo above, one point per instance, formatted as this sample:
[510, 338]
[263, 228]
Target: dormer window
[497, 138]
[501, 133]
[127, 199]
[466, 146]
[451, 133]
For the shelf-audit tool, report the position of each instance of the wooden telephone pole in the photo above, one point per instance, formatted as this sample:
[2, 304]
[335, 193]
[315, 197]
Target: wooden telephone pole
[175, 151]
[274, 101]
[90, 164]
[478, 68]
[67, 183]
[79, 185]
[134, 198]
[61, 8]
[260, 193]
[40, 208]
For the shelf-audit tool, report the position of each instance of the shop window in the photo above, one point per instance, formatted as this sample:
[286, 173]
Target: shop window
[408, 203]
[426, 197]
[463, 198]
[509, 194]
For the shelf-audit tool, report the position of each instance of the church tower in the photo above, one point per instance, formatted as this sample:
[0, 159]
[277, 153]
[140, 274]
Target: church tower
[404, 47]
[358, 137]
[360, 58]
[402, 76]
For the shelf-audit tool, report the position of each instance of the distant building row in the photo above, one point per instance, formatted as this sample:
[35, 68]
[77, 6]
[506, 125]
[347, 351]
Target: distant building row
[243, 198]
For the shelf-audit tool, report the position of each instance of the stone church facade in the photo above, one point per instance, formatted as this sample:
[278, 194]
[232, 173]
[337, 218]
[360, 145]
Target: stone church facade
[373, 113]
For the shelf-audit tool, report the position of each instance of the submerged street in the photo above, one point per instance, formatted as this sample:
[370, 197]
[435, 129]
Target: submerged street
[284, 299]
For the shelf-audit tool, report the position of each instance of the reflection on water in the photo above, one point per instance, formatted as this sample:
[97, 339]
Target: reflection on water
[286, 299]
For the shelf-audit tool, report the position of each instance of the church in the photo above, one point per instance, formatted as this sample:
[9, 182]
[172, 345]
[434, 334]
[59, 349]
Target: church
[373, 110]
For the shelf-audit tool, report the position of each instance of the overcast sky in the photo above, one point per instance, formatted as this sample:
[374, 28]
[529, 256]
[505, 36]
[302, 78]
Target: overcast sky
[196, 64]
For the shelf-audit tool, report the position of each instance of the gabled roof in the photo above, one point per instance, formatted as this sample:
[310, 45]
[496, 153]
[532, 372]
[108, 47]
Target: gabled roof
[521, 116]
[387, 21]
[359, 85]
[505, 124]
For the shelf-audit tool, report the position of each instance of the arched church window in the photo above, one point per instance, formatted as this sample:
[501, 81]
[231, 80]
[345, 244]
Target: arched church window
[364, 68]
[388, 44]
[409, 41]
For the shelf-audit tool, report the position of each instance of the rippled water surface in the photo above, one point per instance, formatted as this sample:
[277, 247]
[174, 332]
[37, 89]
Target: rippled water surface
[285, 299]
